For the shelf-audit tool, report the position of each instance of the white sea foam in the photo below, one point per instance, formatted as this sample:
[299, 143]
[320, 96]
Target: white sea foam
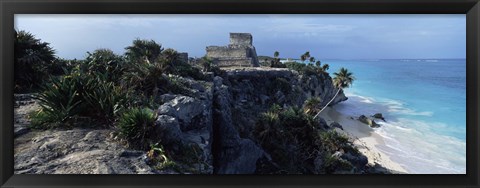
[421, 150]
[414, 144]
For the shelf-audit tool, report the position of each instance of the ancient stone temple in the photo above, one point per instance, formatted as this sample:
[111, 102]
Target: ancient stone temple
[240, 52]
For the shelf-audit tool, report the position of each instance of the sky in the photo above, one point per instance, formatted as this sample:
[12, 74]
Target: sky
[326, 36]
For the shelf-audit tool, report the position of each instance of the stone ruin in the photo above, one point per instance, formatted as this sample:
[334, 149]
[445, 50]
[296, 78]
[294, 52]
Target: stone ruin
[240, 52]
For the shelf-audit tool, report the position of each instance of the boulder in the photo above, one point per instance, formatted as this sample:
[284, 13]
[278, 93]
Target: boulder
[168, 130]
[184, 108]
[359, 161]
[379, 116]
[336, 125]
[368, 121]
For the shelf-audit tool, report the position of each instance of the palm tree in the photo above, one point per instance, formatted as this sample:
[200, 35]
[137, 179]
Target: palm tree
[143, 50]
[207, 64]
[343, 79]
[318, 63]
[305, 56]
[276, 54]
[325, 67]
[312, 60]
[170, 56]
[32, 58]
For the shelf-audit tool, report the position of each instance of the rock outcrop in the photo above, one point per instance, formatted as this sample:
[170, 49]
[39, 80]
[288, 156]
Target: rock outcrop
[233, 155]
[368, 121]
[186, 122]
[214, 118]
[77, 151]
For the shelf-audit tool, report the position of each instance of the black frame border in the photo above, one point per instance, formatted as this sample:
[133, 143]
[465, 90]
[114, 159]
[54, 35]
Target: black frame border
[10, 7]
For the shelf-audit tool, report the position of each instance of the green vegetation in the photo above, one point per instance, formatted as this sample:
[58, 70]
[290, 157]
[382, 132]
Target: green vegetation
[311, 105]
[136, 125]
[294, 139]
[104, 89]
[33, 61]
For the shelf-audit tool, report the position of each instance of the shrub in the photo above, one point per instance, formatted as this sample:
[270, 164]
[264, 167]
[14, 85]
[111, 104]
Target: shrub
[144, 77]
[288, 135]
[333, 141]
[158, 157]
[311, 105]
[105, 62]
[32, 59]
[136, 125]
[104, 99]
[59, 101]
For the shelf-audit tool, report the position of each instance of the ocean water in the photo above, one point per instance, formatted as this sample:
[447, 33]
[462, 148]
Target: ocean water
[424, 104]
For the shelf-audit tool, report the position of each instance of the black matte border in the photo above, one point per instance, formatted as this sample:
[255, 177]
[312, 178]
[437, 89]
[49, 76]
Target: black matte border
[10, 7]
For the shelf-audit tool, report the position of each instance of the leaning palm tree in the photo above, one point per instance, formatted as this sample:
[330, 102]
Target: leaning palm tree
[343, 79]
[318, 63]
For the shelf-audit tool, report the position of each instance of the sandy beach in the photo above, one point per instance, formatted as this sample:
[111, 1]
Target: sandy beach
[364, 137]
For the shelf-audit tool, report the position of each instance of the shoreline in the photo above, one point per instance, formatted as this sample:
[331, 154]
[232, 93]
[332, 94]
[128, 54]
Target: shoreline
[364, 138]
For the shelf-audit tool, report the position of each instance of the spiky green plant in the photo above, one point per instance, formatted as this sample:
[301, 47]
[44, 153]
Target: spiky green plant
[105, 99]
[59, 101]
[136, 125]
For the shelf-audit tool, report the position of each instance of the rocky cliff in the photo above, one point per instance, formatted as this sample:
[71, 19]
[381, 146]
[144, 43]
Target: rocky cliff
[209, 125]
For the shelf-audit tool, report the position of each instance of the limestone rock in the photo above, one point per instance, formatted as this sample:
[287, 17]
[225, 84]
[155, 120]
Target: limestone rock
[233, 154]
[76, 151]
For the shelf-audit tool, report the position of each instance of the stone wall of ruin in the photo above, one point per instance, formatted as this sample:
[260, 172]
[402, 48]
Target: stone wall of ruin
[226, 52]
[244, 39]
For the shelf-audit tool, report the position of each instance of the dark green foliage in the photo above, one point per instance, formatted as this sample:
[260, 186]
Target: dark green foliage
[312, 105]
[287, 134]
[275, 62]
[104, 61]
[343, 78]
[333, 141]
[144, 77]
[136, 125]
[59, 101]
[186, 70]
[32, 60]
[304, 69]
[104, 99]
[294, 140]
[143, 50]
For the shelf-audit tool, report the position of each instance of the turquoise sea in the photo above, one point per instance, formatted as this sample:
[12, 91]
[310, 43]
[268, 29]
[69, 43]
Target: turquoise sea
[424, 103]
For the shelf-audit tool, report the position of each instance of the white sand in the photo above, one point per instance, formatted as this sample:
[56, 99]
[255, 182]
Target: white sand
[363, 137]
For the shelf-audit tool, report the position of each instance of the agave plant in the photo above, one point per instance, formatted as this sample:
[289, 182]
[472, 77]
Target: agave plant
[136, 126]
[59, 101]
